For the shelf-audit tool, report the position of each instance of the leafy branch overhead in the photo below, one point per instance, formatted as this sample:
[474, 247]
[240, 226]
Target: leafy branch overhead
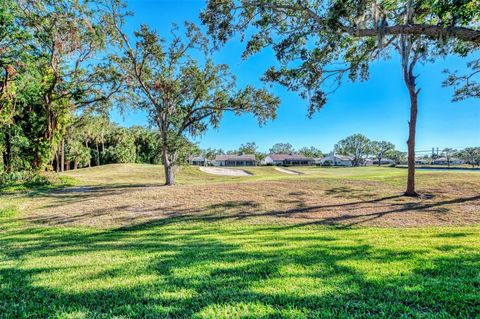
[320, 43]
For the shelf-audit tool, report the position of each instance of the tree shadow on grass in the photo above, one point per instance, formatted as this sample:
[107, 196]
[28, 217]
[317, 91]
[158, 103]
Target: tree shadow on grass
[193, 270]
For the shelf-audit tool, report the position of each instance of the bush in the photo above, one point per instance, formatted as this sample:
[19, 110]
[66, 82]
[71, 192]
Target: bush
[26, 178]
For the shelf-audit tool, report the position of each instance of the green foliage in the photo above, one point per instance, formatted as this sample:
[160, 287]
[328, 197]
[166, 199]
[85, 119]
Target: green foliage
[311, 152]
[121, 146]
[357, 146]
[471, 155]
[28, 178]
[78, 153]
[282, 148]
[248, 148]
[210, 153]
[147, 144]
[382, 149]
[318, 43]
[183, 95]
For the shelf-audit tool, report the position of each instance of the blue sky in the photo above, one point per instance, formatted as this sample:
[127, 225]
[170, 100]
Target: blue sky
[378, 108]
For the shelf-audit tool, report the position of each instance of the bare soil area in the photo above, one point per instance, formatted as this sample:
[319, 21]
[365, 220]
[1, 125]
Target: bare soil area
[289, 202]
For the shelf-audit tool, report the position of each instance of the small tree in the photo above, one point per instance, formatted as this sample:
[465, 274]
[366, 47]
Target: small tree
[310, 152]
[357, 146]
[282, 148]
[471, 155]
[448, 153]
[399, 157]
[210, 153]
[382, 149]
[248, 148]
[182, 94]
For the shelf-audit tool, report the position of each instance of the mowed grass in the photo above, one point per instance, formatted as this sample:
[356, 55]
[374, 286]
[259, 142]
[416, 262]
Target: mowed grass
[227, 249]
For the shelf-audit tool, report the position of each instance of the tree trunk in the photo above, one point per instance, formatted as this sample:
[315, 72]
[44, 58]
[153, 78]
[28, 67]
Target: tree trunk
[168, 166]
[75, 165]
[412, 126]
[62, 155]
[7, 153]
[410, 54]
[98, 153]
[57, 160]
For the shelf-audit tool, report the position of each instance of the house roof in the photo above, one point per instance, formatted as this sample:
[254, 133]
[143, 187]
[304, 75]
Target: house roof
[344, 157]
[282, 157]
[196, 158]
[244, 157]
[444, 159]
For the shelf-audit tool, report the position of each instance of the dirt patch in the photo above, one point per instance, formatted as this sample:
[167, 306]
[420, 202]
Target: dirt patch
[287, 171]
[292, 202]
[224, 171]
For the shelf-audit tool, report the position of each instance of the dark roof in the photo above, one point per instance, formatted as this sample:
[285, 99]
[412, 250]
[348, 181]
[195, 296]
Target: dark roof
[290, 157]
[244, 157]
[196, 158]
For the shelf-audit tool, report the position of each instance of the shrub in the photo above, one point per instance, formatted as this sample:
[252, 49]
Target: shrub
[26, 178]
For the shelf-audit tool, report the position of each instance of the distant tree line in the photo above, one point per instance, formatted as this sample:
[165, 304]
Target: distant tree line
[357, 146]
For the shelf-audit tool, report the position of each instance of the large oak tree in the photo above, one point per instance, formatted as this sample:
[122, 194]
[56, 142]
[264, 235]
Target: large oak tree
[180, 86]
[319, 43]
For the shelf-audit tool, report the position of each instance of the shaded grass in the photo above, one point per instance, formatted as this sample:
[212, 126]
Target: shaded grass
[240, 247]
[200, 270]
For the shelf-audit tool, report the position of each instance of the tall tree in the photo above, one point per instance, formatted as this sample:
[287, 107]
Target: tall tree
[382, 149]
[282, 148]
[182, 94]
[357, 146]
[318, 43]
[69, 66]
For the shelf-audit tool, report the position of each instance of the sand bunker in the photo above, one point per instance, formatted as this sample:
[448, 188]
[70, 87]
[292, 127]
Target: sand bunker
[224, 171]
[287, 171]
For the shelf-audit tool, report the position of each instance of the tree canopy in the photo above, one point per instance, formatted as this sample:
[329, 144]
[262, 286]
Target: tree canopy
[183, 94]
[318, 44]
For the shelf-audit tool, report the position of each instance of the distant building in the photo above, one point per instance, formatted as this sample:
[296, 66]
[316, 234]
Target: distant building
[235, 160]
[445, 161]
[198, 161]
[287, 160]
[421, 161]
[333, 159]
[317, 160]
[383, 161]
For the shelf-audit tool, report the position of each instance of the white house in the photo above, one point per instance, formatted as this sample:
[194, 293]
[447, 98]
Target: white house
[235, 160]
[317, 160]
[333, 159]
[445, 161]
[287, 160]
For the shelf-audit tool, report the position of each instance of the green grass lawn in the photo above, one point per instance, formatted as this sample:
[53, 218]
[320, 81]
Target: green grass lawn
[185, 267]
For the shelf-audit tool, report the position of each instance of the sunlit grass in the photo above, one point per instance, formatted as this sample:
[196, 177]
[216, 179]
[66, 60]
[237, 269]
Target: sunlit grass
[214, 262]
[199, 270]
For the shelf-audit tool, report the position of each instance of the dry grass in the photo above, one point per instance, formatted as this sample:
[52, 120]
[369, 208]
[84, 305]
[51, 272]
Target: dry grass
[346, 197]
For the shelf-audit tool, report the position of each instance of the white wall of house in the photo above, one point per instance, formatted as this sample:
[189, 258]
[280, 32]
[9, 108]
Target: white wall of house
[269, 161]
[336, 161]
